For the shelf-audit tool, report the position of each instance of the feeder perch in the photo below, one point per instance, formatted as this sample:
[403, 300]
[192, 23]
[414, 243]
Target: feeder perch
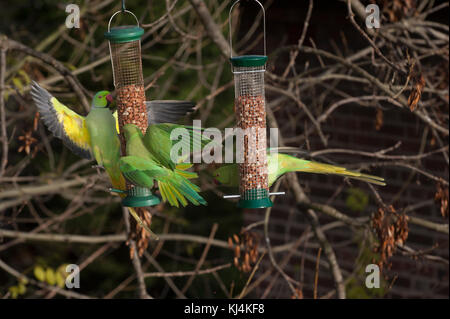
[250, 111]
[126, 60]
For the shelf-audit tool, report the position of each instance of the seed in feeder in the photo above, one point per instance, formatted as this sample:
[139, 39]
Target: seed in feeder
[130, 102]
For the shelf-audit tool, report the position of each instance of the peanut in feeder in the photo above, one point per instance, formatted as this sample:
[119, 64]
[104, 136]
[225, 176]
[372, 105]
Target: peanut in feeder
[126, 60]
[250, 111]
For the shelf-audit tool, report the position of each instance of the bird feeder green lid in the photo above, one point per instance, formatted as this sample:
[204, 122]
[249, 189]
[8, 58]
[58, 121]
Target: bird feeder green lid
[248, 60]
[125, 33]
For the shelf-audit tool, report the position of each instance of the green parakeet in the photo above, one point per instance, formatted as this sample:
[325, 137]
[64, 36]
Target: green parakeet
[92, 136]
[279, 164]
[96, 134]
[146, 162]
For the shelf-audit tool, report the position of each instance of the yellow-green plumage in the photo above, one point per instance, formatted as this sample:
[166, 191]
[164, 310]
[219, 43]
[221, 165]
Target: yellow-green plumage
[105, 144]
[142, 167]
[92, 136]
[279, 164]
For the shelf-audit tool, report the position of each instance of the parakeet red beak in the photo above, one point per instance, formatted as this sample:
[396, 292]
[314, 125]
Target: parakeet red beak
[109, 98]
[216, 181]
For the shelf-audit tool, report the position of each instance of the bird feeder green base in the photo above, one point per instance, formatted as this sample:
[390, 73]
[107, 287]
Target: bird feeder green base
[255, 198]
[138, 197]
[138, 201]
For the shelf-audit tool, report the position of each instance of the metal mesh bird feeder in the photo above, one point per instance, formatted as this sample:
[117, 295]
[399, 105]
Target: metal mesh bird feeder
[250, 111]
[126, 59]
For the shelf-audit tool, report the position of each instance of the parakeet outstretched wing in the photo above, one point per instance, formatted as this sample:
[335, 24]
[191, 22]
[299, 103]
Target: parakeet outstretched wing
[64, 123]
[164, 111]
[174, 187]
[167, 111]
[158, 142]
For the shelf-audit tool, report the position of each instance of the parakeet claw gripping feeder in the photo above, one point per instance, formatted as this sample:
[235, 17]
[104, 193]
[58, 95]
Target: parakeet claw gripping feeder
[250, 110]
[126, 59]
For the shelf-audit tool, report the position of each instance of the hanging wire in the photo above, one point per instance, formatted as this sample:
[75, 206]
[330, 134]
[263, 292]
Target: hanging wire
[123, 6]
[230, 24]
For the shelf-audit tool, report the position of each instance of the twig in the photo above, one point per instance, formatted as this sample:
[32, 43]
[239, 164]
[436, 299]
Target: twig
[4, 137]
[19, 276]
[202, 258]
[316, 276]
[73, 81]
[187, 273]
[255, 268]
[167, 279]
[288, 279]
[135, 259]
[374, 46]
[55, 187]
[294, 54]
[329, 252]
[211, 27]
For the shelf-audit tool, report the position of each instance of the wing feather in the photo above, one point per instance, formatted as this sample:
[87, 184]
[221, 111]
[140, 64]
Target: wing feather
[116, 117]
[64, 123]
[167, 111]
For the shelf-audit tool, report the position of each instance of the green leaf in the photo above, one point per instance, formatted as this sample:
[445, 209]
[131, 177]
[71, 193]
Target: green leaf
[18, 84]
[22, 289]
[190, 249]
[23, 280]
[357, 200]
[50, 276]
[60, 280]
[39, 273]
[62, 270]
[25, 76]
[70, 66]
[14, 290]
[6, 95]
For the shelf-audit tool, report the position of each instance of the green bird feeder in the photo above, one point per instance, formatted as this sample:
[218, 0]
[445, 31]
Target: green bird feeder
[126, 60]
[250, 107]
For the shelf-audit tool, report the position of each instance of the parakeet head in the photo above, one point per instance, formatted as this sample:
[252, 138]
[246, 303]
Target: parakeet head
[102, 99]
[129, 130]
[222, 175]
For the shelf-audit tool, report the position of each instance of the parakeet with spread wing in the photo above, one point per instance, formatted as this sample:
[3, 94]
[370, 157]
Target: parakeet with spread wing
[96, 134]
[279, 164]
[147, 161]
[92, 136]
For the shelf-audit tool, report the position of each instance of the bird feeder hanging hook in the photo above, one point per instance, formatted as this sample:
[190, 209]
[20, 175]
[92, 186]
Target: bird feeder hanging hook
[230, 25]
